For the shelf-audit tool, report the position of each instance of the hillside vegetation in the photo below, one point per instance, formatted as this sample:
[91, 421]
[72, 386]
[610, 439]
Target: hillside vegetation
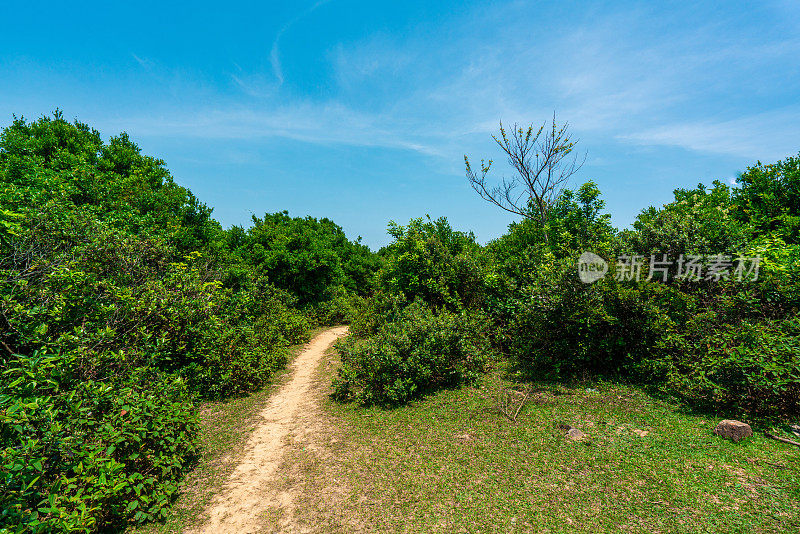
[444, 306]
[123, 304]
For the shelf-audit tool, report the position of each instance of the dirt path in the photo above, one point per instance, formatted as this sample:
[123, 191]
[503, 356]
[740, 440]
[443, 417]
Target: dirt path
[246, 496]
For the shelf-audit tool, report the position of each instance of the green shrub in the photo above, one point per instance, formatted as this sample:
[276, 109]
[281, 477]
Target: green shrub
[126, 302]
[753, 367]
[120, 302]
[248, 341]
[422, 351]
[78, 454]
[341, 308]
[570, 329]
[373, 312]
[716, 344]
[698, 221]
[526, 271]
[67, 165]
[431, 261]
[769, 198]
[311, 258]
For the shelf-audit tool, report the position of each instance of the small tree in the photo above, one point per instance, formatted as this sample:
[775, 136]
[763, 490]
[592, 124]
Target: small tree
[543, 160]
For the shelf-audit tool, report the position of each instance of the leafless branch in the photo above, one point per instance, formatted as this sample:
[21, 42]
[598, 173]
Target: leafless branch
[784, 440]
[544, 161]
[512, 402]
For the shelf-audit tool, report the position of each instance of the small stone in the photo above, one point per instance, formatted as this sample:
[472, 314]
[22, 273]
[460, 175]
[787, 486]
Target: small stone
[733, 430]
[575, 434]
[640, 433]
[572, 432]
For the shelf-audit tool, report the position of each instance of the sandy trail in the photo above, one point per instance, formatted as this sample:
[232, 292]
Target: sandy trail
[240, 506]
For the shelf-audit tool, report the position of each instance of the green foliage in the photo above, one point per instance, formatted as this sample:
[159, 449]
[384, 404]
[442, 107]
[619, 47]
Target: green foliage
[423, 329]
[577, 220]
[526, 269]
[123, 303]
[698, 221]
[342, 308]
[421, 351]
[120, 302]
[431, 261]
[769, 198]
[77, 454]
[9, 226]
[51, 165]
[308, 257]
[610, 328]
[717, 344]
[752, 366]
[249, 335]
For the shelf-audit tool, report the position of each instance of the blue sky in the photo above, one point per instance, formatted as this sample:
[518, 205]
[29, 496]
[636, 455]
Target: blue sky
[363, 111]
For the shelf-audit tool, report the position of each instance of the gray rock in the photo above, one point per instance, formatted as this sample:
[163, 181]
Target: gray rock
[733, 430]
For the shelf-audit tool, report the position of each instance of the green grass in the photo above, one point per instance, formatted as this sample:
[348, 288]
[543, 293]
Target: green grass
[453, 463]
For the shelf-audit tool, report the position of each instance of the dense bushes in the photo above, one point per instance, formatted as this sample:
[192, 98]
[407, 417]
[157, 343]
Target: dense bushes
[308, 257]
[52, 165]
[122, 302]
[717, 343]
[528, 279]
[716, 348]
[423, 329]
[721, 346]
[769, 198]
[752, 366]
[571, 329]
[431, 261]
[419, 351]
[80, 453]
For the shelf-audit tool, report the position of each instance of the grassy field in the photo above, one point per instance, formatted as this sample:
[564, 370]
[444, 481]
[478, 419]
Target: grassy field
[453, 463]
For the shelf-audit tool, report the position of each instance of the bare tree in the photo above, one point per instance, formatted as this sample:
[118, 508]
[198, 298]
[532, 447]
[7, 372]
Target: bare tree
[543, 160]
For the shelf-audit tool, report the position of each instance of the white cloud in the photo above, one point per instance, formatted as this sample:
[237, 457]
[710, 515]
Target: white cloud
[765, 136]
[308, 122]
[611, 75]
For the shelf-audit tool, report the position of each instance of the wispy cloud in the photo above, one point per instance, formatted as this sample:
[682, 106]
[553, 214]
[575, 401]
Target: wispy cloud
[144, 63]
[254, 85]
[312, 123]
[616, 75]
[275, 57]
[275, 52]
[764, 136]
